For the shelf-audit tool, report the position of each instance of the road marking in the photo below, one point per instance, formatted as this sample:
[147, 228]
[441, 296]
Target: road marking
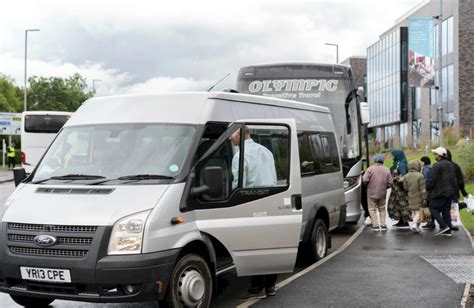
[288, 280]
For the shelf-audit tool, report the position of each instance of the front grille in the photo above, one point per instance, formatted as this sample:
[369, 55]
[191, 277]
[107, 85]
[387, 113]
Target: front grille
[71, 241]
[52, 228]
[61, 240]
[48, 252]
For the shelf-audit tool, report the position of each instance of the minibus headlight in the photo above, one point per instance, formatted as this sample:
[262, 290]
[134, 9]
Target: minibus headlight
[127, 235]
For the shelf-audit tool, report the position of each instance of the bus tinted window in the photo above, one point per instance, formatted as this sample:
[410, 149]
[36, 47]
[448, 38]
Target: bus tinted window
[44, 123]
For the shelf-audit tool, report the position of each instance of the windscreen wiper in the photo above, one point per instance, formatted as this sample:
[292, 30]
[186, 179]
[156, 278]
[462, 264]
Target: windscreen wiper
[139, 177]
[71, 177]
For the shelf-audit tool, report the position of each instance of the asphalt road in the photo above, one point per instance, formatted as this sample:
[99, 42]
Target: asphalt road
[230, 289]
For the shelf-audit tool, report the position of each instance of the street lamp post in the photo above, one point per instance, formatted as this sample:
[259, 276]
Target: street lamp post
[337, 50]
[26, 56]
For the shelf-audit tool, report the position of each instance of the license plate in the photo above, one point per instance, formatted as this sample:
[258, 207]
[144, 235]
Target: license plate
[45, 274]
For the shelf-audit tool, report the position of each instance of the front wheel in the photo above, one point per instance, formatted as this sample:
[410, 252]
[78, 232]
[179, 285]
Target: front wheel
[27, 301]
[319, 240]
[190, 284]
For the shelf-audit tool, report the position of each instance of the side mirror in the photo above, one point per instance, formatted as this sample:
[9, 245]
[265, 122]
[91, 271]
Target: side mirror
[19, 174]
[213, 179]
[364, 113]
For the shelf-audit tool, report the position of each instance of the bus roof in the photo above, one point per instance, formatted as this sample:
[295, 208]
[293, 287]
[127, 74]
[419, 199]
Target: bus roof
[184, 107]
[296, 64]
[47, 113]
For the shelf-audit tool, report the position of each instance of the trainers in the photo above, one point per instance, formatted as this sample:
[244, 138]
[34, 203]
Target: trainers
[249, 295]
[430, 225]
[447, 233]
[376, 229]
[270, 291]
[454, 228]
[401, 224]
[443, 230]
[384, 228]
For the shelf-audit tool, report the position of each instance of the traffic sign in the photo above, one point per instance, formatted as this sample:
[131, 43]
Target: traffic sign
[10, 123]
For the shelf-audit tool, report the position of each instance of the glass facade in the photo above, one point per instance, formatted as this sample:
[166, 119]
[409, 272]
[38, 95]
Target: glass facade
[387, 88]
[383, 79]
[447, 72]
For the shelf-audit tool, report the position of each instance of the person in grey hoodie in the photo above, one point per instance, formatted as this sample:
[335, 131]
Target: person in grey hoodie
[378, 180]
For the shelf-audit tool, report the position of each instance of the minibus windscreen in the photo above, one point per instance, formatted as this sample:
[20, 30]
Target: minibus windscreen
[114, 151]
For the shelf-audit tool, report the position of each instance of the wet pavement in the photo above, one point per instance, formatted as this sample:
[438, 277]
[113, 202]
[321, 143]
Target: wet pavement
[390, 269]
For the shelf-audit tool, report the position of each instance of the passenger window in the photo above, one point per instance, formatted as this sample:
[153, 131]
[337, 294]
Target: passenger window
[330, 157]
[306, 157]
[316, 147]
[266, 160]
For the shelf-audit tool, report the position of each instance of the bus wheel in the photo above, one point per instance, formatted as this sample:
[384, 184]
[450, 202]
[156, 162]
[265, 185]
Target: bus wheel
[27, 301]
[319, 240]
[190, 284]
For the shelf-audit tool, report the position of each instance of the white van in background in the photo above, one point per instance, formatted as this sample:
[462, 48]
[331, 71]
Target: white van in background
[38, 129]
[156, 199]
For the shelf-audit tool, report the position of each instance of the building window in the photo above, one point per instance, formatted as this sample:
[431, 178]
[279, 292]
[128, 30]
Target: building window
[404, 134]
[450, 83]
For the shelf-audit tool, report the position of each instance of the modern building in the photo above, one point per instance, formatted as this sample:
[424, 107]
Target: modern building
[409, 116]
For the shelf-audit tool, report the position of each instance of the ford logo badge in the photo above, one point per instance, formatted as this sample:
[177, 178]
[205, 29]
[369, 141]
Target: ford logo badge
[45, 240]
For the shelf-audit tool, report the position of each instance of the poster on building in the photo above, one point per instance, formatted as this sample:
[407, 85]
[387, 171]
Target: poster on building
[421, 57]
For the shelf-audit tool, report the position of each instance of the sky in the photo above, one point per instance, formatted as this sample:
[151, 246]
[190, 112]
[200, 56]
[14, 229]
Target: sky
[157, 46]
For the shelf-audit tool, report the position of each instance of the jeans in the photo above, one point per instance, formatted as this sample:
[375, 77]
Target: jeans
[440, 210]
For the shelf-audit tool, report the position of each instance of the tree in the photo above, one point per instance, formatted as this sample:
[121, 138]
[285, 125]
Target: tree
[59, 94]
[10, 95]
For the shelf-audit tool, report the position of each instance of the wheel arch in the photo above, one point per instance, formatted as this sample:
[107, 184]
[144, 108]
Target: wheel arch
[316, 211]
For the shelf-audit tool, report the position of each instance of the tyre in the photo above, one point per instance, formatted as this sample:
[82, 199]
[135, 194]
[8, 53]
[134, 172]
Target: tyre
[319, 240]
[27, 301]
[190, 284]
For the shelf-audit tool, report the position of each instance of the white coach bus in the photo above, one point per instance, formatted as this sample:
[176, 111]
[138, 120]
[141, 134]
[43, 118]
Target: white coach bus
[38, 130]
[327, 85]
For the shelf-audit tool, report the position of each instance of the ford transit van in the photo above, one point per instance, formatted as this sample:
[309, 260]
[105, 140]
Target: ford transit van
[151, 197]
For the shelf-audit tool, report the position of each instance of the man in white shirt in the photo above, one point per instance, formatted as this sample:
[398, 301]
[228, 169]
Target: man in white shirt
[259, 164]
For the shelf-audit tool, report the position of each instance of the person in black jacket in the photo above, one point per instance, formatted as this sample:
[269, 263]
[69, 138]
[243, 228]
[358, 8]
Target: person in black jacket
[441, 190]
[459, 178]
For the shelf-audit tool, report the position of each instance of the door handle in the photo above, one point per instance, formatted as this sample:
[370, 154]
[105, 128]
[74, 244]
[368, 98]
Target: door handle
[296, 202]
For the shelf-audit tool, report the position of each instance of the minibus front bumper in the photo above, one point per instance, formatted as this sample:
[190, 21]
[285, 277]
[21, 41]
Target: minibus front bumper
[95, 276]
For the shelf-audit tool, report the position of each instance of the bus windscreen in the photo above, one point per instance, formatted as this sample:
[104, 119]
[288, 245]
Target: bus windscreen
[44, 123]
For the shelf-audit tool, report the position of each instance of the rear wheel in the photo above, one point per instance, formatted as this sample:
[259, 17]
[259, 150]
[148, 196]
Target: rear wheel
[27, 301]
[190, 284]
[319, 240]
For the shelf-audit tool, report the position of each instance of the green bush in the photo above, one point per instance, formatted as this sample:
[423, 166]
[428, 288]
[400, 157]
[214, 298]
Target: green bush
[465, 159]
[450, 136]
